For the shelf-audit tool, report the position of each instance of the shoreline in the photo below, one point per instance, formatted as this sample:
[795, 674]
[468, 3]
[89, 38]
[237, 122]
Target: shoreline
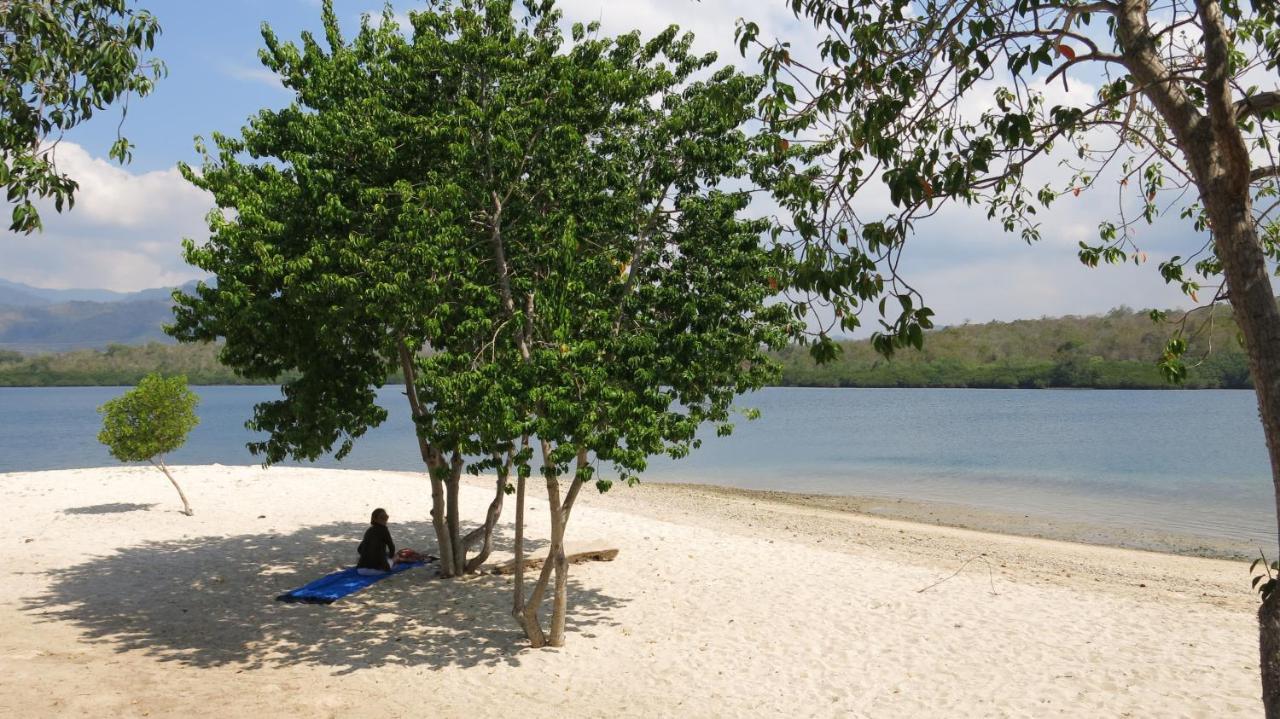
[925, 513]
[991, 521]
[950, 515]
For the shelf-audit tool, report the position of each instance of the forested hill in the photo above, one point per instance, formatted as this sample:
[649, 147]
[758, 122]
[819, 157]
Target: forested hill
[34, 319]
[1117, 350]
[116, 365]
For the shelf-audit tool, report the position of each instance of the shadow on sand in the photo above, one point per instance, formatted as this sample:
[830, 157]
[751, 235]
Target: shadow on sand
[113, 508]
[210, 601]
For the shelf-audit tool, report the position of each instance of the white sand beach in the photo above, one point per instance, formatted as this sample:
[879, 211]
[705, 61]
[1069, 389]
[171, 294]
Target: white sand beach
[721, 603]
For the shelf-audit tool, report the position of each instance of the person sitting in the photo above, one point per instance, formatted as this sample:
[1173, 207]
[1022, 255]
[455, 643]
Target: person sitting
[377, 551]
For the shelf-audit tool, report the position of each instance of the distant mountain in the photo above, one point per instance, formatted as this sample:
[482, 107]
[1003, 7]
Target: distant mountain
[34, 319]
[17, 294]
[11, 295]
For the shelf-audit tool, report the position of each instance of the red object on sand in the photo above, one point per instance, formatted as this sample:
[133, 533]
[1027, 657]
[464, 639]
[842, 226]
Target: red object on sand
[409, 555]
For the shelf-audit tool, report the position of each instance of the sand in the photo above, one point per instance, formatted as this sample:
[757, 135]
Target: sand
[721, 603]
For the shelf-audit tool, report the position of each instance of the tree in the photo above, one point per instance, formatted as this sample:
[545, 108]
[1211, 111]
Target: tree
[340, 263]
[61, 61]
[632, 335]
[150, 421]
[630, 293]
[956, 101]
[532, 234]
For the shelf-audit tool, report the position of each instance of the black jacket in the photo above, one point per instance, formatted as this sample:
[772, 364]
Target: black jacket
[376, 548]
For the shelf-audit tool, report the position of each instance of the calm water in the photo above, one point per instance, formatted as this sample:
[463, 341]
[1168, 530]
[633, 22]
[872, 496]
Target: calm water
[1188, 462]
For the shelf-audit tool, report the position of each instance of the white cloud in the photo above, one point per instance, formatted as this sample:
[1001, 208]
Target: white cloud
[125, 230]
[123, 234]
[255, 74]
[1027, 282]
[711, 21]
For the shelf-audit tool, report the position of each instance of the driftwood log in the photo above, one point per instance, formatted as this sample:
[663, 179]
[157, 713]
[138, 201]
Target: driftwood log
[593, 554]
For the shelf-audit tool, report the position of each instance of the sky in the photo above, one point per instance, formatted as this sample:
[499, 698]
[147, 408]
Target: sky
[126, 229]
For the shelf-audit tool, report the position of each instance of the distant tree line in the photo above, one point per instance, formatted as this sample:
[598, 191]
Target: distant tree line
[1118, 350]
[118, 365]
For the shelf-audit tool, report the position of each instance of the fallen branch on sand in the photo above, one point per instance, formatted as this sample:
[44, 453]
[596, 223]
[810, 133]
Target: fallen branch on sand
[990, 574]
[585, 555]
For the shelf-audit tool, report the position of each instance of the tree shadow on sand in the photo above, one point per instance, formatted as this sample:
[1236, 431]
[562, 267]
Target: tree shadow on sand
[112, 508]
[210, 601]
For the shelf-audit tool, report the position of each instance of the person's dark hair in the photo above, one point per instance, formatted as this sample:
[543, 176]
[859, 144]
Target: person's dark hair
[379, 512]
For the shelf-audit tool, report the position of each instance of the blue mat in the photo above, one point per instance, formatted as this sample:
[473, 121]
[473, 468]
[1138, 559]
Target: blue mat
[328, 589]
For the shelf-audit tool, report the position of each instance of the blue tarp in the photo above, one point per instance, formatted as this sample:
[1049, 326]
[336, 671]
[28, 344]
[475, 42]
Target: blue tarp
[327, 589]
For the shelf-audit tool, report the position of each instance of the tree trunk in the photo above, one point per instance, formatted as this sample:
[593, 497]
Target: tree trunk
[529, 613]
[490, 521]
[1208, 135]
[532, 624]
[431, 457]
[517, 606]
[1269, 645]
[560, 605]
[1254, 308]
[439, 517]
[186, 506]
[555, 561]
[1256, 314]
[453, 489]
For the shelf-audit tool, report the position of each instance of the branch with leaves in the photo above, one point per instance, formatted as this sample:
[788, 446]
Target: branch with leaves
[62, 62]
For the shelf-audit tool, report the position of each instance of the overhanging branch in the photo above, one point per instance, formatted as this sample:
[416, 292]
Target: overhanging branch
[1258, 104]
[1261, 173]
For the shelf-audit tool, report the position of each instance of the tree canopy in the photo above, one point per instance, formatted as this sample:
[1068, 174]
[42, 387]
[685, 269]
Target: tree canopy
[534, 232]
[62, 61]
[1174, 106]
[150, 421]
[949, 101]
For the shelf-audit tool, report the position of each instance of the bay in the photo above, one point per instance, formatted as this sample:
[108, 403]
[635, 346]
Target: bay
[1192, 463]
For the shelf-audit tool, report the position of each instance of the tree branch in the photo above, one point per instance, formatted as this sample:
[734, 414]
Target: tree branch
[1258, 104]
[1142, 57]
[1217, 86]
[1216, 73]
[1093, 56]
[1101, 6]
[420, 413]
[1261, 173]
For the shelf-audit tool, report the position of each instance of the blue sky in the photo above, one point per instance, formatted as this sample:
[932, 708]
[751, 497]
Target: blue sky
[125, 231]
[215, 79]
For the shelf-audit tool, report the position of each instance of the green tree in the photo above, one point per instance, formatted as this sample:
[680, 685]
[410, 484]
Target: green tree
[61, 61]
[632, 334]
[529, 232]
[332, 273]
[150, 421]
[955, 101]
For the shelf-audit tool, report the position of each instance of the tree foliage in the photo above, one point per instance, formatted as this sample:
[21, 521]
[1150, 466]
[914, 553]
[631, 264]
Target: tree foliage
[62, 61]
[150, 421]
[950, 101]
[1174, 106]
[545, 217]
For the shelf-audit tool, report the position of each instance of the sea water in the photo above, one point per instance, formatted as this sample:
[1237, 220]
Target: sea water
[1192, 462]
